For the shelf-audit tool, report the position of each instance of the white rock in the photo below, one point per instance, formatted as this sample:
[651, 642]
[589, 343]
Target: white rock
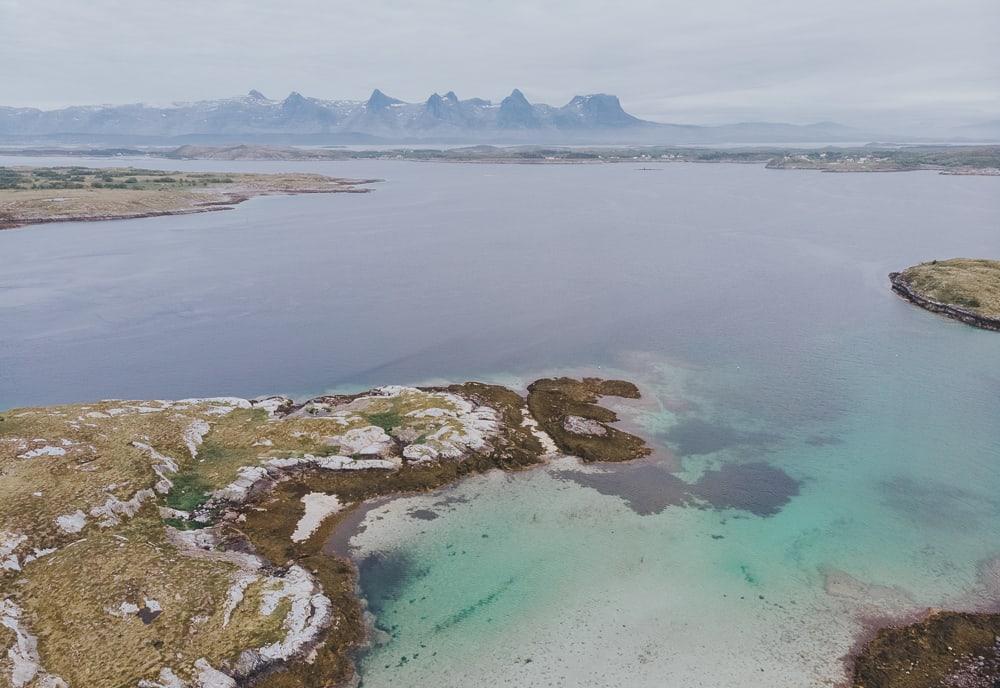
[420, 453]
[270, 404]
[583, 426]
[162, 466]
[231, 402]
[543, 437]
[125, 609]
[8, 543]
[368, 440]
[167, 679]
[310, 613]
[194, 434]
[433, 412]
[238, 490]
[38, 554]
[318, 507]
[25, 664]
[72, 523]
[43, 451]
[234, 595]
[114, 509]
[208, 677]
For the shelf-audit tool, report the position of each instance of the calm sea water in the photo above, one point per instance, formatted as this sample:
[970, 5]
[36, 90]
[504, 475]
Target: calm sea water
[828, 453]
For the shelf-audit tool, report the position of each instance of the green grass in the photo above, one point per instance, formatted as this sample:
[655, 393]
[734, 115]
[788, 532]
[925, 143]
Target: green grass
[190, 491]
[970, 283]
[387, 420]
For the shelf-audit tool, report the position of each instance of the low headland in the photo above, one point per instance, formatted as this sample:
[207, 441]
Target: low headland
[33, 195]
[182, 544]
[965, 289]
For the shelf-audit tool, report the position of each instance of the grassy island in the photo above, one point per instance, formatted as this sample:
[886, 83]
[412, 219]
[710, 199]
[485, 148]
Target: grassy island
[965, 289]
[32, 195]
[180, 544]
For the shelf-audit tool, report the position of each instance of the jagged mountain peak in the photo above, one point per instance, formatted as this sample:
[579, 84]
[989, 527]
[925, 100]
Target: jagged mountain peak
[254, 114]
[517, 113]
[597, 109]
[517, 96]
[378, 100]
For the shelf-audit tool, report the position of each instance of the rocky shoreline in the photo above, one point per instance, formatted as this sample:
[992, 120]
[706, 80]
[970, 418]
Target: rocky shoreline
[202, 523]
[211, 532]
[937, 649]
[901, 286]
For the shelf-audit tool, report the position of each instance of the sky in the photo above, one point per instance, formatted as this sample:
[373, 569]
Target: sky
[860, 62]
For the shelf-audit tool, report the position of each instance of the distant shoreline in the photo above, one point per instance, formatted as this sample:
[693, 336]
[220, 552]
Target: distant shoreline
[45, 195]
[977, 160]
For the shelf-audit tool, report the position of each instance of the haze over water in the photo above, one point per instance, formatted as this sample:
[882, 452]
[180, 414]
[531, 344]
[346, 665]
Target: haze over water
[827, 451]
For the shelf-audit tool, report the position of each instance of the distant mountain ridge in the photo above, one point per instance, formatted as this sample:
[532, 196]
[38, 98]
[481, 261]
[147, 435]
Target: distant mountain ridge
[254, 117]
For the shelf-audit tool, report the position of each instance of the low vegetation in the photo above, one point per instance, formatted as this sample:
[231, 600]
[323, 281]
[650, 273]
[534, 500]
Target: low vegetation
[564, 406]
[169, 544]
[30, 195]
[973, 284]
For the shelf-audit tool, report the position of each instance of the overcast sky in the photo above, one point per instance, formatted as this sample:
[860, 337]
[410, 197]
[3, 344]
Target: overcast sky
[699, 61]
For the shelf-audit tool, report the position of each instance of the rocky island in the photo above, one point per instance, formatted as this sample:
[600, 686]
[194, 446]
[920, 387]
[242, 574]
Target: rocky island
[180, 544]
[33, 195]
[965, 289]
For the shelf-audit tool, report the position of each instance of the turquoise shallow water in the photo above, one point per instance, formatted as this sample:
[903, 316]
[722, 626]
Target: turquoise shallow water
[829, 452]
[534, 580]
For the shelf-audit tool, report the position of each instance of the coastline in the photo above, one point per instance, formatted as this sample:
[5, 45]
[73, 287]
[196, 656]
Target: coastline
[247, 528]
[903, 288]
[961, 160]
[26, 206]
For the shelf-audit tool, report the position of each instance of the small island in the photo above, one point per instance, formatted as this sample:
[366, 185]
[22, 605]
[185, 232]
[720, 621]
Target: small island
[34, 195]
[182, 544]
[966, 289]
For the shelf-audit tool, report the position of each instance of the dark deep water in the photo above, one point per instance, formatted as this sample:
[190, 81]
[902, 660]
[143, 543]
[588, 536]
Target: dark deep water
[459, 270]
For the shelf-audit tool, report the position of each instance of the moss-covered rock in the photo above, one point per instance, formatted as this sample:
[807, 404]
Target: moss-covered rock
[567, 410]
[944, 650]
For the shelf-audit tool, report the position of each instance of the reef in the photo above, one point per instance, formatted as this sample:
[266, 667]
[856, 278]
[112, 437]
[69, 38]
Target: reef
[181, 544]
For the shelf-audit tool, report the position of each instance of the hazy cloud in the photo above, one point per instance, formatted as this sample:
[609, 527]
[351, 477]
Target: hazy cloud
[856, 61]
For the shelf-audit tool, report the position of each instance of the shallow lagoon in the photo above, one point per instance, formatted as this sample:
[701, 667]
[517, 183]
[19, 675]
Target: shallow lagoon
[827, 451]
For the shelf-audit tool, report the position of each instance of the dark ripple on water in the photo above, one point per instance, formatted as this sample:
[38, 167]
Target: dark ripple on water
[696, 436]
[756, 487]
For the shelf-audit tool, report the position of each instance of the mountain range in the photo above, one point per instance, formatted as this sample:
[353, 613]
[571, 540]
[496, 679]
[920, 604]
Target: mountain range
[594, 118]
